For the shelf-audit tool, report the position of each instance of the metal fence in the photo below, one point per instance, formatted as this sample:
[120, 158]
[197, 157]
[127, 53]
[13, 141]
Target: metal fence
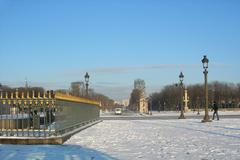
[44, 115]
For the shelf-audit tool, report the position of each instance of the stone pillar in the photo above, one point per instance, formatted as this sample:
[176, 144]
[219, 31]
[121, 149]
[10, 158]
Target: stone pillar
[186, 100]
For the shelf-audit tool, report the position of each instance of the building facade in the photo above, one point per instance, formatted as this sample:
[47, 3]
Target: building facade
[78, 89]
[140, 103]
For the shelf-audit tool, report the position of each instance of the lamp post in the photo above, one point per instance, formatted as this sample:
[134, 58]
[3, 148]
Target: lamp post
[205, 72]
[198, 105]
[159, 106]
[150, 106]
[181, 76]
[87, 82]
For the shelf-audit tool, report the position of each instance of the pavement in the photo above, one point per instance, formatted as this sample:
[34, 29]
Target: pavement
[166, 115]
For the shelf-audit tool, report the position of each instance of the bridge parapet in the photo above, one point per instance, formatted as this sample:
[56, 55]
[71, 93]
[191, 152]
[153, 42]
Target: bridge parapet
[45, 117]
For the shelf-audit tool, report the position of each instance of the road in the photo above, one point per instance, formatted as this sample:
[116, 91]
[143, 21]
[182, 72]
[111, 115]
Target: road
[134, 116]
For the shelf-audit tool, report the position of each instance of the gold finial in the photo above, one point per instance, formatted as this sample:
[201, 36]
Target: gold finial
[6, 96]
[33, 96]
[44, 94]
[22, 95]
[39, 95]
[28, 95]
[16, 93]
[11, 95]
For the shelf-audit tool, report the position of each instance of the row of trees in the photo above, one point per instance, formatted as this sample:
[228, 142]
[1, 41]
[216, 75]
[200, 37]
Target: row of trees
[227, 95]
[106, 102]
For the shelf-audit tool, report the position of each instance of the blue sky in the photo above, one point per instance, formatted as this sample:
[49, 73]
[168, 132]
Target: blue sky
[53, 43]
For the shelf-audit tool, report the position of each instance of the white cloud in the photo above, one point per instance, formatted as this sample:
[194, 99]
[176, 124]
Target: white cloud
[142, 68]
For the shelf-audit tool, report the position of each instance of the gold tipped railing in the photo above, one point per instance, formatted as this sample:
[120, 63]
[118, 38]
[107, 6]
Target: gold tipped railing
[43, 114]
[17, 97]
[70, 98]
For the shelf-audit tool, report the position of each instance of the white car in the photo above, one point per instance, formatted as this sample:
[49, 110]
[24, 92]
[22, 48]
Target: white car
[118, 111]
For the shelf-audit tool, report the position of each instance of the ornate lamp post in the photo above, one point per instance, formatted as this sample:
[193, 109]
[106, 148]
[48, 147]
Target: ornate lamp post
[205, 72]
[181, 76]
[198, 105]
[87, 82]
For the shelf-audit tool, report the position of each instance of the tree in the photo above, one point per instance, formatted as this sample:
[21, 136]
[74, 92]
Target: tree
[106, 102]
[134, 99]
[225, 94]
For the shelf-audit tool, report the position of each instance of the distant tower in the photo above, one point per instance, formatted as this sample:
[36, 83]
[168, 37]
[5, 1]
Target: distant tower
[142, 105]
[26, 84]
[140, 85]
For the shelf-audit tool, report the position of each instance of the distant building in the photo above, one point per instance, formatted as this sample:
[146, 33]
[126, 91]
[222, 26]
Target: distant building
[125, 102]
[139, 103]
[140, 85]
[78, 88]
[143, 105]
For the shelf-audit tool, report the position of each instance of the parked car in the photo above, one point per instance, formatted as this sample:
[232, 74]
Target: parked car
[118, 111]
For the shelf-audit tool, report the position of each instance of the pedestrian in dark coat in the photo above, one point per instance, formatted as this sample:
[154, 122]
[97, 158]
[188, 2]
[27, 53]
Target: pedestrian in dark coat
[215, 110]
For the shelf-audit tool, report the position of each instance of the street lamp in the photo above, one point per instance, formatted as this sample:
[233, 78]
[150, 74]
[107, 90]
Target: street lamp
[181, 76]
[150, 100]
[205, 72]
[198, 105]
[87, 82]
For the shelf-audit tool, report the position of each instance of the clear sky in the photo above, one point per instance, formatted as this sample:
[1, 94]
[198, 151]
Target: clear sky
[54, 42]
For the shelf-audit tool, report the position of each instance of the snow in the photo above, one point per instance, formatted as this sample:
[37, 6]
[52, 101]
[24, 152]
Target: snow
[141, 139]
[168, 139]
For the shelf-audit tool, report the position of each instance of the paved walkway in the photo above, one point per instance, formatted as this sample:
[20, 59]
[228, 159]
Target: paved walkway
[166, 115]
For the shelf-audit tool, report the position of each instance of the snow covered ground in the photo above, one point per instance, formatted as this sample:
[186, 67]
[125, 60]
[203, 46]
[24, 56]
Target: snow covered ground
[141, 139]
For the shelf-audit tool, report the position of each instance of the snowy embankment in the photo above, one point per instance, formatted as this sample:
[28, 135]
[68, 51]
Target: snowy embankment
[141, 139]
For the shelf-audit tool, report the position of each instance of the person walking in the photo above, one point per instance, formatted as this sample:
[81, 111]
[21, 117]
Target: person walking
[215, 109]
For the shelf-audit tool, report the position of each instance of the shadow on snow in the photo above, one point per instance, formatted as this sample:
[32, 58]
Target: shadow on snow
[50, 152]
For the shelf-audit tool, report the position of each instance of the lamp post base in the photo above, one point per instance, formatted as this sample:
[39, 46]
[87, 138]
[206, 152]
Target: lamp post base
[206, 119]
[181, 117]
